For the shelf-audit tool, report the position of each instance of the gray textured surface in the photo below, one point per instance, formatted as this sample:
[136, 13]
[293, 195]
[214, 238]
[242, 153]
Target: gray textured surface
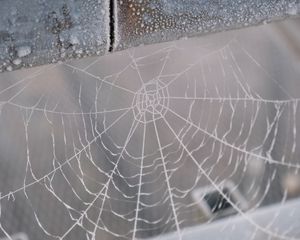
[37, 32]
[51, 31]
[164, 20]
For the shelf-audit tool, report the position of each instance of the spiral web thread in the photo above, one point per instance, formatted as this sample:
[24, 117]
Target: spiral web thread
[112, 148]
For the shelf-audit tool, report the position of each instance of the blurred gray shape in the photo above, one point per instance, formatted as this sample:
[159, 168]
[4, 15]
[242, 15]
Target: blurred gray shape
[19, 236]
[213, 205]
[243, 227]
[38, 32]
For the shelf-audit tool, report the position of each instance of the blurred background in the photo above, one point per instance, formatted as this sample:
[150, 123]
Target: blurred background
[154, 140]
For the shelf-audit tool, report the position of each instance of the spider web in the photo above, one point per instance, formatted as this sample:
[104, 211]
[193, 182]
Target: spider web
[114, 147]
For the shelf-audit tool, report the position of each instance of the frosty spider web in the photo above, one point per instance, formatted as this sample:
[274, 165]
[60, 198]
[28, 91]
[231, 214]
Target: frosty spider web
[114, 147]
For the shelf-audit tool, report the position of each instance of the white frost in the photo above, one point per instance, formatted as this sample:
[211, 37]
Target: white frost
[74, 40]
[17, 61]
[23, 51]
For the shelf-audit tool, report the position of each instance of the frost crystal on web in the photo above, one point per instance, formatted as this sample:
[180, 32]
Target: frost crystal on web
[121, 147]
